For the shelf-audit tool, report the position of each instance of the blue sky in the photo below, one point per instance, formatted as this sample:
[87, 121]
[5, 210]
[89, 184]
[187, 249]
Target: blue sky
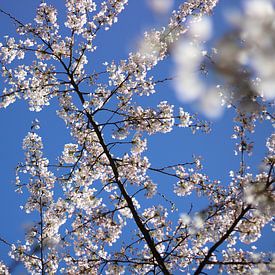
[215, 148]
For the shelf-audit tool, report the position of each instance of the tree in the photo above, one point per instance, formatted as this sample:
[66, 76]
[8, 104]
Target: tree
[101, 188]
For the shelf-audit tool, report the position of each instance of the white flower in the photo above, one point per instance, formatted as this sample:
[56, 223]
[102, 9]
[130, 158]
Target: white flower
[69, 153]
[185, 118]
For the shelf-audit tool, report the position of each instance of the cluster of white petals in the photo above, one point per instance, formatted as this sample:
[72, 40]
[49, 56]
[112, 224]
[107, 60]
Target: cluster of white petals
[69, 153]
[4, 269]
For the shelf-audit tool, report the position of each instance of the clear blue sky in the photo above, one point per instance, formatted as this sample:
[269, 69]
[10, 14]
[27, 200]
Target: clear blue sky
[215, 148]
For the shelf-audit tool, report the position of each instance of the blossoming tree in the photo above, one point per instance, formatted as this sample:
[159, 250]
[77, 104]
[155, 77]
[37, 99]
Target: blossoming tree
[101, 189]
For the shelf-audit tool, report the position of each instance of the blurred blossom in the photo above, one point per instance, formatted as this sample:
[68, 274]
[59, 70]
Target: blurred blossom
[187, 53]
[198, 221]
[257, 52]
[229, 55]
[267, 88]
[211, 104]
[185, 218]
[188, 87]
[245, 59]
[187, 56]
[160, 6]
[201, 28]
[258, 31]
[248, 105]
[258, 8]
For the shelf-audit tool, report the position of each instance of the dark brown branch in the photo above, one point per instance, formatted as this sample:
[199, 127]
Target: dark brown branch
[221, 240]
[149, 240]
